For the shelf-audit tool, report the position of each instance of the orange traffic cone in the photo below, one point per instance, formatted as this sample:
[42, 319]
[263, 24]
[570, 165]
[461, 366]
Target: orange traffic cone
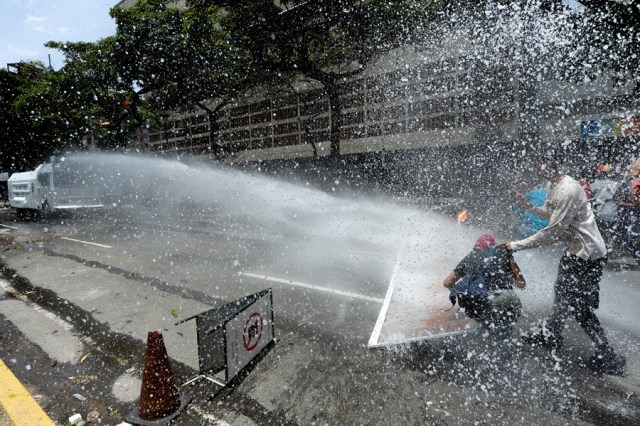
[160, 401]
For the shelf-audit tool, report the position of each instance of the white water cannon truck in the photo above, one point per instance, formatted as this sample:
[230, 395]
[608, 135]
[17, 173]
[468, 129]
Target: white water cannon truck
[53, 186]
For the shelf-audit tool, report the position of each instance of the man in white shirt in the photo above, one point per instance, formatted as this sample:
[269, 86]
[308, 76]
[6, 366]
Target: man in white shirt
[577, 287]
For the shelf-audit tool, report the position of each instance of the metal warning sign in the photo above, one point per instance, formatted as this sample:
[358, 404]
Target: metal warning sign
[248, 333]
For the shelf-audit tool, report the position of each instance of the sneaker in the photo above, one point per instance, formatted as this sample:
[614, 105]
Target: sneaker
[543, 338]
[606, 361]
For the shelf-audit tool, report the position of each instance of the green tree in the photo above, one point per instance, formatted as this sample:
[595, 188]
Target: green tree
[48, 112]
[27, 137]
[181, 59]
[93, 97]
[328, 41]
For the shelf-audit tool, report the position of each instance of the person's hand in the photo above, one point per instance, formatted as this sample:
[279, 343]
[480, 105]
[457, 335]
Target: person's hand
[515, 194]
[450, 280]
[508, 245]
[520, 200]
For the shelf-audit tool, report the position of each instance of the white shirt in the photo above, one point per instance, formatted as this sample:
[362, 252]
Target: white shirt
[571, 222]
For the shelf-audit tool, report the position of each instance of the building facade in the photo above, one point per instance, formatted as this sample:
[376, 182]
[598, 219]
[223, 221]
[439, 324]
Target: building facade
[405, 101]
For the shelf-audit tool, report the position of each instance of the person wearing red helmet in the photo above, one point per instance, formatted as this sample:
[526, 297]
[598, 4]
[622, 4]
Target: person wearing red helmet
[499, 313]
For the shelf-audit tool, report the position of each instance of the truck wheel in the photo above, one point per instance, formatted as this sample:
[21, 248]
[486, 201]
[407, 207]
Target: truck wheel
[22, 214]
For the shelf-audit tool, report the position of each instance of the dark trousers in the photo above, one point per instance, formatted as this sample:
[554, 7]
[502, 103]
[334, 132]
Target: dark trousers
[577, 292]
[500, 313]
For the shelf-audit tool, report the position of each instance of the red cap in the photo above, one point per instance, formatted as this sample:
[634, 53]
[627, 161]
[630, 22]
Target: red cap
[483, 241]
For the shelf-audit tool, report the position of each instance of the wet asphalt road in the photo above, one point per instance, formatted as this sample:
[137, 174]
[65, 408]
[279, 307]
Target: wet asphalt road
[77, 314]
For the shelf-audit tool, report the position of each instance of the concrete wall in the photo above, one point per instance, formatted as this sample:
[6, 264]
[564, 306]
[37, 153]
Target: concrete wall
[408, 99]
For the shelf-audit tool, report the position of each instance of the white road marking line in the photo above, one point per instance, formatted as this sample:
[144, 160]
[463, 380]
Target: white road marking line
[313, 287]
[53, 317]
[211, 419]
[417, 339]
[7, 226]
[375, 334]
[85, 242]
[21, 297]
[373, 253]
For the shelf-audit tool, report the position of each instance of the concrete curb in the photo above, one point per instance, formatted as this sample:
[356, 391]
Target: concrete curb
[18, 403]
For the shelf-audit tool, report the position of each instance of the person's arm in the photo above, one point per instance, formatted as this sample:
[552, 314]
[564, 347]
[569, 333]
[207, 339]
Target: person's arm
[539, 202]
[458, 272]
[451, 280]
[621, 203]
[542, 212]
[619, 197]
[635, 192]
[560, 219]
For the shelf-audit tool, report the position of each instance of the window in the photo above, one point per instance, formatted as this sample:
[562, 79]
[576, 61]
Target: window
[44, 179]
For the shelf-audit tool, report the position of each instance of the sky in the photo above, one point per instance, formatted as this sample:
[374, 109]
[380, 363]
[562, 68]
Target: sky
[28, 24]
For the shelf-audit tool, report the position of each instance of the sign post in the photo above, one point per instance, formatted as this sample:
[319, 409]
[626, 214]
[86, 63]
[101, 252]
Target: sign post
[231, 336]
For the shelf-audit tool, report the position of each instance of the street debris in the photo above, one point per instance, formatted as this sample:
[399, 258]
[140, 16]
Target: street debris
[83, 379]
[75, 419]
[79, 397]
[93, 418]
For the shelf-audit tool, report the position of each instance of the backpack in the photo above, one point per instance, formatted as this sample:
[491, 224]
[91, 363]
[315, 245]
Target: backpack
[471, 291]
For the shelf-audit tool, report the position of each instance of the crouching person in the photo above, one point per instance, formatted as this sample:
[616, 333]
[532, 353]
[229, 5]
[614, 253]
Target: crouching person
[482, 283]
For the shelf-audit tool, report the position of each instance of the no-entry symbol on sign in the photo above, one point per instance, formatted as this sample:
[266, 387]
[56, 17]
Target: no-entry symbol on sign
[252, 332]
[248, 331]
